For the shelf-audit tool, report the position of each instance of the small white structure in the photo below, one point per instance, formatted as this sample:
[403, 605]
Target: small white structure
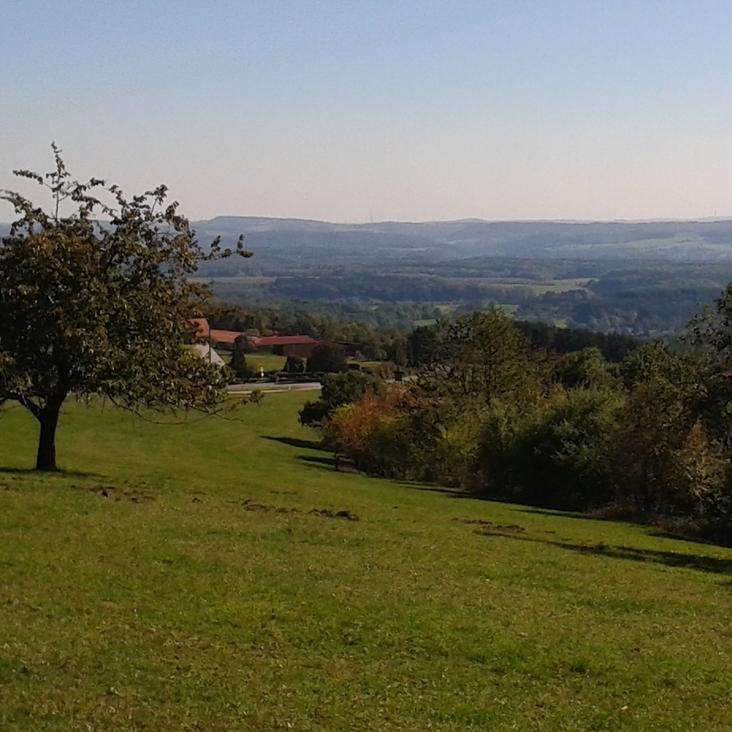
[205, 351]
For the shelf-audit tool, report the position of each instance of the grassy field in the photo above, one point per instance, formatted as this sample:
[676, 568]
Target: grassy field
[267, 361]
[222, 576]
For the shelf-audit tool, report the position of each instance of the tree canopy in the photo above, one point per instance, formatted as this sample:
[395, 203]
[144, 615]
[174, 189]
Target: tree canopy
[95, 299]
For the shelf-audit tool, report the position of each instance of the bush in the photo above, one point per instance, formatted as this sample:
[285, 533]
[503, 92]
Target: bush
[238, 362]
[552, 454]
[294, 365]
[314, 414]
[338, 389]
[327, 358]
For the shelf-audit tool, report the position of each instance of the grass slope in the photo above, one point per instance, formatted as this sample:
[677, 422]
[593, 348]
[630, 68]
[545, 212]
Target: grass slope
[199, 577]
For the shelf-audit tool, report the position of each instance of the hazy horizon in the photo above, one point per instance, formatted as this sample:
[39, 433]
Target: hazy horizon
[381, 111]
[476, 219]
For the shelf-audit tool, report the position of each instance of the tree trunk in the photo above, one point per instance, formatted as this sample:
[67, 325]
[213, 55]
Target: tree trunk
[46, 457]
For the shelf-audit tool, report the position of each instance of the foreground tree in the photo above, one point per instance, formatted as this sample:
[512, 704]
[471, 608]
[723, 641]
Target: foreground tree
[95, 299]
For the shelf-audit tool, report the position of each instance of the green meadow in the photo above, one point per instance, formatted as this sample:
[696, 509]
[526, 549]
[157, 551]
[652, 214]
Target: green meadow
[221, 575]
[266, 361]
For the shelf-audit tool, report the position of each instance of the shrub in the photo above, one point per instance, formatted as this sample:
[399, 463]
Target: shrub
[314, 414]
[553, 453]
[338, 389]
[238, 362]
[327, 358]
[294, 365]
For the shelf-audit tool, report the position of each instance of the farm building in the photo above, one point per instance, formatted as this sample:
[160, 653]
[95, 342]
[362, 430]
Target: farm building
[205, 350]
[282, 345]
[295, 345]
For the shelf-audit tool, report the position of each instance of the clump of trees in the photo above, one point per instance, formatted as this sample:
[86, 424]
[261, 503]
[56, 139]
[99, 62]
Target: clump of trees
[648, 437]
[96, 294]
[327, 358]
[238, 363]
[339, 389]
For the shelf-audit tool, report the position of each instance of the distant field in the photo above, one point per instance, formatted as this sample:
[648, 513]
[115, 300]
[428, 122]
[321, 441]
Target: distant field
[537, 287]
[243, 281]
[222, 576]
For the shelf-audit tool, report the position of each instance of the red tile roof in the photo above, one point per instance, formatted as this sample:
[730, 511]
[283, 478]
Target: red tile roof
[229, 336]
[224, 336]
[293, 340]
[202, 326]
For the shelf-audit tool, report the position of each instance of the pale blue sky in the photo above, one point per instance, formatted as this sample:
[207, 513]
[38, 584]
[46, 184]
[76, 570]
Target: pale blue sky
[380, 110]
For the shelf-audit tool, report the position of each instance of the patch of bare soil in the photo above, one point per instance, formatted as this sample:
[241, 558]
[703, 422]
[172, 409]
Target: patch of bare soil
[344, 515]
[489, 527]
[115, 493]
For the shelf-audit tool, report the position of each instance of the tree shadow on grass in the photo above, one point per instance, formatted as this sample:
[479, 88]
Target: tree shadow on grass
[700, 562]
[564, 514]
[328, 463]
[48, 473]
[297, 442]
[331, 464]
[434, 488]
[630, 518]
[317, 460]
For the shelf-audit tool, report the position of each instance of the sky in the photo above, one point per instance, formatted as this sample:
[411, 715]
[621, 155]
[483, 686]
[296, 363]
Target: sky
[396, 110]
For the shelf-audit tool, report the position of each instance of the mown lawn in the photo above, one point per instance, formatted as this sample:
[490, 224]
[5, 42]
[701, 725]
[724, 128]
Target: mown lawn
[267, 361]
[222, 576]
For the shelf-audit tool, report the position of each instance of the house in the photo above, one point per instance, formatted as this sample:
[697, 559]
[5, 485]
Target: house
[205, 350]
[216, 337]
[224, 338]
[295, 345]
[352, 350]
[301, 346]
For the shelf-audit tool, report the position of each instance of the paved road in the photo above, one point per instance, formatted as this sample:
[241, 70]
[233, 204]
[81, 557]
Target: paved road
[266, 386]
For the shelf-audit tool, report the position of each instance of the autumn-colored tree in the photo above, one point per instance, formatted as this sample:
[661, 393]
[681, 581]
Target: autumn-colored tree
[95, 297]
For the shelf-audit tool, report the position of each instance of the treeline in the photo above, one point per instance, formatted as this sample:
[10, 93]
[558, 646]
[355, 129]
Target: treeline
[424, 343]
[647, 299]
[641, 312]
[393, 342]
[375, 342]
[648, 437]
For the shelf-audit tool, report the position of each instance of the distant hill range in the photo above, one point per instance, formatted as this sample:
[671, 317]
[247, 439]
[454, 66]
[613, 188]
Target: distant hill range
[643, 278]
[693, 241]
[275, 239]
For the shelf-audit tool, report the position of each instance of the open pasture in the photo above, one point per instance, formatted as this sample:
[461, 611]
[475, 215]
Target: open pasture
[221, 575]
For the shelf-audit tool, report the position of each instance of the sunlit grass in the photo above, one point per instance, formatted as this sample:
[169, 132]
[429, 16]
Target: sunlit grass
[200, 577]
